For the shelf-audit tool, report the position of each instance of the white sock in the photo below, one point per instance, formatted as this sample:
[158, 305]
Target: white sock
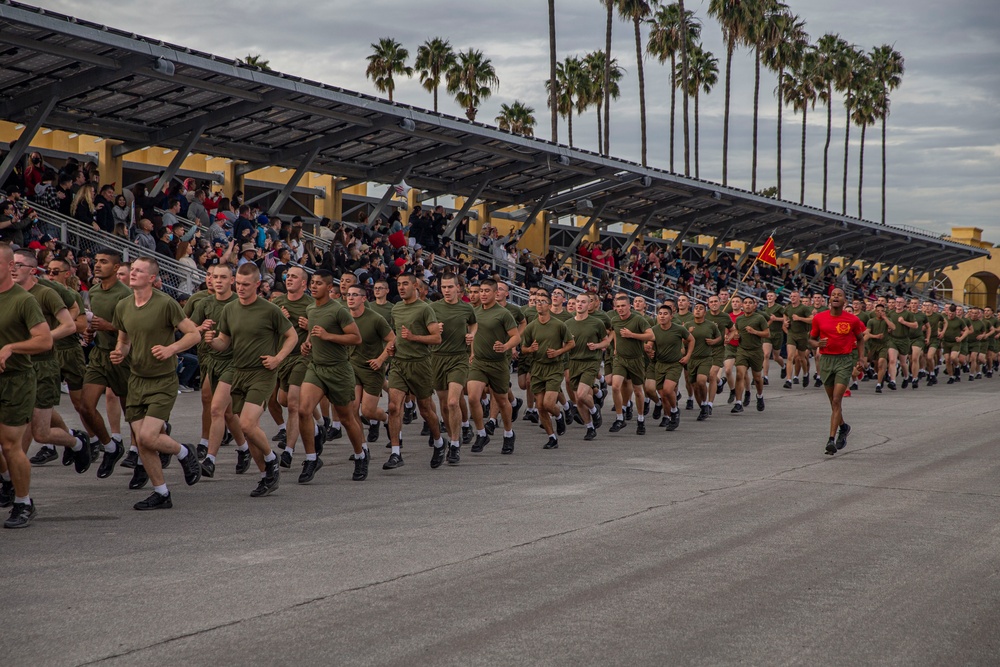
[281, 426]
[22, 501]
[183, 453]
[408, 405]
[465, 424]
[335, 424]
[673, 410]
[566, 407]
[315, 429]
[481, 432]
[619, 417]
[395, 449]
[161, 489]
[133, 448]
[439, 443]
[5, 476]
[270, 457]
[640, 418]
[454, 443]
[508, 434]
[116, 436]
[203, 441]
[312, 457]
[593, 410]
[211, 457]
[290, 450]
[599, 394]
[760, 395]
[111, 447]
[78, 446]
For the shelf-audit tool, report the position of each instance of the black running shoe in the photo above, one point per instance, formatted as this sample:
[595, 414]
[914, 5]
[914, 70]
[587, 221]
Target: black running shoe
[164, 460]
[454, 455]
[467, 435]
[515, 409]
[491, 426]
[795, 380]
[703, 415]
[640, 428]
[737, 409]
[526, 417]
[208, 468]
[334, 433]
[481, 442]
[409, 414]
[156, 501]
[139, 478]
[760, 404]
[892, 385]
[746, 397]
[617, 426]
[664, 421]
[243, 459]
[508, 445]
[395, 461]
[6, 493]
[732, 396]
[68, 456]
[842, 433]
[561, 424]
[281, 436]
[914, 385]
[426, 430]
[286, 459]
[20, 516]
[591, 433]
[309, 469]
[784, 373]
[43, 456]
[817, 382]
[766, 383]
[787, 385]
[658, 411]
[951, 380]
[82, 458]
[854, 386]
[906, 382]
[878, 389]
[227, 438]
[264, 487]
[831, 447]
[551, 443]
[805, 382]
[674, 422]
[110, 460]
[191, 467]
[373, 432]
[361, 468]
[201, 451]
[131, 459]
[689, 405]
[578, 418]
[645, 407]
[628, 414]
[599, 402]
[319, 439]
[598, 419]
[710, 410]
[437, 458]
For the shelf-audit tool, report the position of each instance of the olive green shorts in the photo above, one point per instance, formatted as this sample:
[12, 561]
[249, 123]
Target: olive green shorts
[718, 356]
[452, 368]
[494, 374]
[837, 368]
[583, 371]
[877, 352]
[213, 369]
[799, 341]
[993, 345]
[901, 345]
[103, 373]
[524, 363]
[776, 340]
[752, 359]
[918, 343]
[371, 382]
[667, 371]
[731, 351]
[150, 397]
[630, 369]
[17, 397]
[949, 346]
[546, 377]
[291, 371]
[413, 376]
[72, 366]
[47, 379]
[249, 386]
[337, 382]
[650, 370]
[976, 347]
[965, 346]
[700, 366]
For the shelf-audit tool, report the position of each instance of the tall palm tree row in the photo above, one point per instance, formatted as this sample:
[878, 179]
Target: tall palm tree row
[595, 65]
[471, 80]
[799, 87]
[571, 86]
[830, 65]
[887, 67]
[609, 5]
[785, 50]
[517, 118]
[865, 111]
[434, 58]
[731, 15]
[388, 60]
[638, 11]
[665, 43]
[703, 74]
[851, 76]
[552, 71]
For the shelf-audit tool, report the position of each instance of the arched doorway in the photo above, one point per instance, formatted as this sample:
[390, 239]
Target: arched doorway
[941, 288]
[981, 290]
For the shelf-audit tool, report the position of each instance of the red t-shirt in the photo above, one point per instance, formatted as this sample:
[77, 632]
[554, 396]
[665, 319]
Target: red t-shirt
[841, 332]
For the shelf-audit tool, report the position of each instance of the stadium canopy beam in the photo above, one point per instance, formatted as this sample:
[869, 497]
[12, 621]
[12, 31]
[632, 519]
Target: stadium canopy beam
[31, 128]
[595, 216]
[719, 239]
[603, 186]
[639, 228]
[494, 174]
[178, 160]
[470, 201]
[293, 182]
[533, 214]
[554, 188]
[749, 249]
[384, 201]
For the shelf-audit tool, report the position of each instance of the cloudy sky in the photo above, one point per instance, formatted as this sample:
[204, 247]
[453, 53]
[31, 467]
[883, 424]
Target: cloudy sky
[943, 138]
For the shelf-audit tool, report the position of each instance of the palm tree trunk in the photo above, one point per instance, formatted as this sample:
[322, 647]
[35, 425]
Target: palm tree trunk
[725, 120]
[600, 135]
[861, 168]
[684, 77]
[829, 130]
[642, 88]
[802, 185]
[781, 103]
[756, 97]
[607, 79]
[435, 99]
[883, 164]
[569, 125]
[847, 155]
[673, 105]
[697, 171]
[552, 71]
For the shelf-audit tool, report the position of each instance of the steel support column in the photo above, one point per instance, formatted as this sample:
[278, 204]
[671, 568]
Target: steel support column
[384, 201]
[293, 182]
[718, 240]
[583, 232]
[470, 201]
[535, 210]
[749, 249]
[639, 228]
[175, 164]
[31, 128]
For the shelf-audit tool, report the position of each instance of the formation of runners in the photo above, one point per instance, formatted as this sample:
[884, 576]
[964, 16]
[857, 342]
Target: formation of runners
[320, 356]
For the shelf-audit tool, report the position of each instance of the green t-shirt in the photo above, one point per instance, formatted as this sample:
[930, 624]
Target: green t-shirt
[494, 323]
[417, 317]
[562, 316]
[703, 332]
[802, 310]
[255, 331]
[683, 319]
[953, 328]
[588, 330]
[901, 332]
[550, 336]
[877, 326]
[629, 348]
[211, 309]
[70, 298]
[51, 304]
[194, 299]
[530, 313]
[296, 309]
[517, 312]
[978, 327]
[749, 341]
[373, 329]
[603, 317]
[457, 318]
[151, 324]
[921, 320]
[722, 321]
[19, 312]
[935, 320]
[102, 304]
[670, 343]
[385, 310]
[777, 311]
[333, 317]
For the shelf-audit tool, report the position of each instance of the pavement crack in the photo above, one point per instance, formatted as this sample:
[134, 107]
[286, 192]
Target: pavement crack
[972, 494]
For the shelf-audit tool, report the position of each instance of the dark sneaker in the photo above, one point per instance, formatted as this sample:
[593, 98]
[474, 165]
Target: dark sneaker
[191, 467]
[598, 419]
[527, 416]
[760, 404]
[906, 382]
[96, 450]
[265, 486]
[243, 459]
[831, 447]
[658, 411]
[914, 385]
[373, 432]
[111, 459]
[854, 386]
[319, 439]
[766, 383]
[286, 459]
[732, 396]
[878, 389]
[426, 430]
[155, 501]
[437, 458]
[334, 433]
[6, 493]
[746, 398]
[640, 428]
[20, 516]
[674, 422]
[817, 382]
[409, 414]
[454, 456]
[784, 372]
[795, 380]
[842, 433]
[951, 380]
[689, 405]
[201, 451]
[361, 468]
[131, 459]
[787, 385]
[599, 402]
[703, 415]
[281, 436]
[515, 409]
[551, 443]
[737, 409]
[207, 468]
[82, 458]
[227, 438]
[617, 426]
[309, 469]
[481, 442]
[577, 417]
[591, 433]
[805, 382]
[43, 456]
[561, 424]
[467, 435]
[508, 445]
[395, 461]
[491, 426]
[664, 421]
[710, 408]
[892, 385]
[628, 413]
[164, 460]
[139, 478]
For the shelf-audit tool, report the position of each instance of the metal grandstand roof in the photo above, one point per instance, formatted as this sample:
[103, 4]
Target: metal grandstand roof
[65, 73]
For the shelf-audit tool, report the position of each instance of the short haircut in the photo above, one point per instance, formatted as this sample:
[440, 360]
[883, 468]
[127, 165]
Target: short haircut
[621, 297]
[249, 269]
[116, 256]
[382, 282]
[305, 275]
[226, 267]
[244, 209]
[666, 307]
[489, 282]
[325, 275]
[154, 266]
[448, 275]
[27, 255]
[6, 252]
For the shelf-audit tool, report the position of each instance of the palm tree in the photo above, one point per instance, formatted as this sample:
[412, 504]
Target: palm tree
[434, 58]
[517, 118]
[388, 59]
[638, 11]
[256, 60]
[799, 87]
[594, 68]
[855, 62]
[471, 80]
[703, 74]
[785, 51]
[664, 42]
[887, 65]
[864, 112]
[610, 6]
[552, 70]
[730, 15]
[571, 88]
[830, 64]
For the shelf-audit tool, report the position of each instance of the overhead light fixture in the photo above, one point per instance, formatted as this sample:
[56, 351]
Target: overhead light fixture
[74, 135]
[47, 131]
[647, 181]
[564, 160]
[168, 151]
[407, 124]
[717, 196]
[283, 170]
[584, 205]
[98, 140]
[19, 126]
[164, 67]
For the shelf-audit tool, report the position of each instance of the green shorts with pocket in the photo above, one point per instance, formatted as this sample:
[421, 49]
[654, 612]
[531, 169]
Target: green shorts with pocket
[337, 382]
[291, 371]
[901, 345]
[150, 397]
[799, 341]
[875, 352]
[72, 366]
[371, 381]
[752, 359]
[700, 366]
[719, 355]
[102, 372]
[965, 347]
[919, 343]
[630, 369]
[494, 374]
[546, 377]
[413, 376]
[17, 397]
[837, 368]
[252, 386]
[583, 371]
[663, 371]
[776, 340]
[47, 379]
[949, 346]
[213, 370]
[524, 362]
[452, 368]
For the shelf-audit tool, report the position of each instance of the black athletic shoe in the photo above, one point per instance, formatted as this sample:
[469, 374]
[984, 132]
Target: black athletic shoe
[831, 447]
[645, 407]
[139, 478]
[526, 417]
[281, 436]
[409, 414]
[131, 459]
[746, 397]
[628, 414]
[286, 459]
[491, 426]
[515, 409]
[760, 404]
[95, 448]
[710, 410]
[842, 433]
[426, 430]
[191, 466]
[265, 486]
[784, 373]
[373, 432]
[817, 382]
[454, 455]
[795, 380]
[914, 385]
[201, 451]
[578, 418]
[906, 382]
[6, 493]
[658, 411]
[732, 396]
[43, 456]
[640, 428]
[361, 468]
[243, 459]
[664, 421]
[674, 422]
[481, 442]
[319, 439]
[703, 415]
[878, 389]
[207, 468]
[164, 460]
[854, 386]
[598, 419]
[689, 405]
[617, 426]
[467, 435]
[551, 443]
[110, 460]
[395, 461]
[227, 438]
[805, 382]
[892, 385]
[309, 469]
[20, 516]
[787, 385]
[82, 458]
[155, 501]
[971, 378]
[764, 380]
[737, 409]
[591, 433]
[951, 380]
[437, 458]
[599, 402]
[334, 433]
[508, 445]
[561, 424]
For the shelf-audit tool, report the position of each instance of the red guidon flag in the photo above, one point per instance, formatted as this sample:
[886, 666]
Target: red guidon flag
[768, 254]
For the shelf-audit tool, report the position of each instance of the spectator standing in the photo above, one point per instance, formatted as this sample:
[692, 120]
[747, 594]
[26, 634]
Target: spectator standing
[104, 204]
[83, 208]
[144, 236]
[196, 209]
